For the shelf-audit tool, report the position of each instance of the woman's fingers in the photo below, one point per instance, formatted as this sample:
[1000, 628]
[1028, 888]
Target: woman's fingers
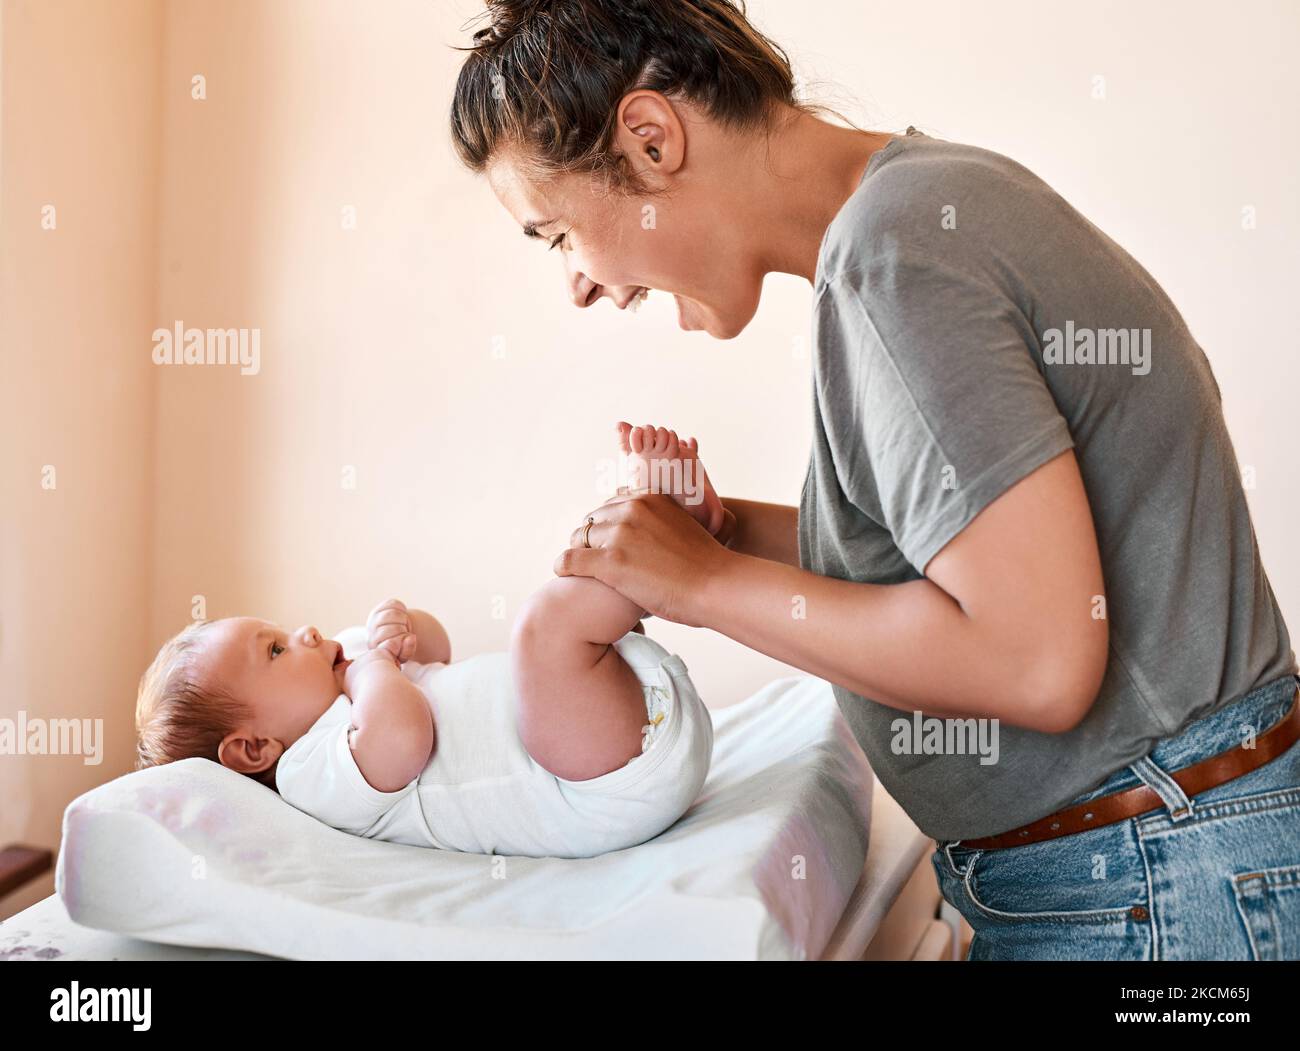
[616, 509]
[581, 562]
[620, 508]
[602, 518]
[584, 537]
[646, 548]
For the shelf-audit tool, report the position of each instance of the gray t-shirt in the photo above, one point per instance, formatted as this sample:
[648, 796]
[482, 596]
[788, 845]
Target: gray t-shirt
[966, 331]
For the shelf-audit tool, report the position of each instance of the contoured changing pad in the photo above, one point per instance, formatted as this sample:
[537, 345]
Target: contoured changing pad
[761, 866]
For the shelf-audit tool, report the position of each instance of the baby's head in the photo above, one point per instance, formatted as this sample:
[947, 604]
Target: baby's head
[238, 691]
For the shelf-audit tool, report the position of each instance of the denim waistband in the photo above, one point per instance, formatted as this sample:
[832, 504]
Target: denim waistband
[1256, 712]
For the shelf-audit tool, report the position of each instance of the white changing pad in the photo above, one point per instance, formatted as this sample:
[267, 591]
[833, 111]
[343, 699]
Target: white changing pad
[762, 866]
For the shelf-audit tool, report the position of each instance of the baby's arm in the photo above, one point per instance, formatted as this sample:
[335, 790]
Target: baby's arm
[434, 645]
[393, 733]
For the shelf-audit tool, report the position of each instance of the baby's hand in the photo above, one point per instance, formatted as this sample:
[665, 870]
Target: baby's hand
[379, 655]
[389, 628]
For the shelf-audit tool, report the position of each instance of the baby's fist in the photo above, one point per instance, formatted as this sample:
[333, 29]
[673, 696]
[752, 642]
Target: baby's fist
[389, 627]
[357, 668]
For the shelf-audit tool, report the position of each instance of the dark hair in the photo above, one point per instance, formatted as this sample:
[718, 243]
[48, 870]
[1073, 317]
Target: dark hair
[546, 76]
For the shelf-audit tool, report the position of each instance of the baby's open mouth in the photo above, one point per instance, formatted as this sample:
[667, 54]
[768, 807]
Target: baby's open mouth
[339, 660]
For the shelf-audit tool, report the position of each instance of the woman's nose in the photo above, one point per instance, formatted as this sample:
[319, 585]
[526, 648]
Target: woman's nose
[583, 291]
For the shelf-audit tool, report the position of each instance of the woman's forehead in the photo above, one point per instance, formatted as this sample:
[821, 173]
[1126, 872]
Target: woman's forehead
[524, 199]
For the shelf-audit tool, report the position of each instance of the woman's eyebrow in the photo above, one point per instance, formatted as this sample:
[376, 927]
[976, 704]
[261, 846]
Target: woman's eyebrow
[530, 227]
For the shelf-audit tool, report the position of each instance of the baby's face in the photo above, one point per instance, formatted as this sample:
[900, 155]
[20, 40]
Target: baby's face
[287, 679]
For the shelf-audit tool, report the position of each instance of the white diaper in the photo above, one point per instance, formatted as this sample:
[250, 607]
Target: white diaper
[658, 703]
[651, 791]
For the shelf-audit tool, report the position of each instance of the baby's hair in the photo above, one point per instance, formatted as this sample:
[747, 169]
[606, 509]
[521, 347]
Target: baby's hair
[176, 715]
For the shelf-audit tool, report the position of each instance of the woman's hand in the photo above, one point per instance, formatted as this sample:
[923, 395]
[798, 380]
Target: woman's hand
[650, 550]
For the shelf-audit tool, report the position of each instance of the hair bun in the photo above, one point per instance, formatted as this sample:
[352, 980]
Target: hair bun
[504, 17]
[509, 13]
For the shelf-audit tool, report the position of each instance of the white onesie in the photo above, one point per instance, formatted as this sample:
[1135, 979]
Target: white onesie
[481, 791]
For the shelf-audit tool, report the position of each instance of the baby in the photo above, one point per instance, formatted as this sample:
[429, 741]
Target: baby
[587, 737]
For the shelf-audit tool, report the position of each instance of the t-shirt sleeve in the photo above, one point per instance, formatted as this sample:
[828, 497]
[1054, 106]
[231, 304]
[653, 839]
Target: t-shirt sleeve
[941, 403]
[318, 775]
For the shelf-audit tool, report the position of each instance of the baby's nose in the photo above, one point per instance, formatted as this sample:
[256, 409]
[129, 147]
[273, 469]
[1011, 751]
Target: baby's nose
[310, 636]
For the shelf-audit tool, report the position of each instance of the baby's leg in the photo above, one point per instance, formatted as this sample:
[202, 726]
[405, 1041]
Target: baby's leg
[581, 708]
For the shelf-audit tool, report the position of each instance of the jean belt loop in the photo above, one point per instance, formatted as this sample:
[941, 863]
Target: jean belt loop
[1169, 790]
[952, 865]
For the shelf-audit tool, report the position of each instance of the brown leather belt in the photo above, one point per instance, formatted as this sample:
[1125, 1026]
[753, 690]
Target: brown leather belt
[1119, 806]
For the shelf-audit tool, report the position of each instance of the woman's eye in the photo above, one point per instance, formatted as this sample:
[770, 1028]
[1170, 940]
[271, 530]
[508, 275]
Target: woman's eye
[276, 649]
[556, 241]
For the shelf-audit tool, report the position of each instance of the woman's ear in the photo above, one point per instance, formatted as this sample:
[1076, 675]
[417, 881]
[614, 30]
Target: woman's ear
[650, 134]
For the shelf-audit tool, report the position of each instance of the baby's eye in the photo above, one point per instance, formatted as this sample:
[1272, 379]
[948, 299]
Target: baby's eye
[556, 241]
[276, 649]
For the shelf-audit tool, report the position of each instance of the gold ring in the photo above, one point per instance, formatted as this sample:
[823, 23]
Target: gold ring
[586, 532]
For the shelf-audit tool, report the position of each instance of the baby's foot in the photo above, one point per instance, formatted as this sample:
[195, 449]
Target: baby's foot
[660, 462]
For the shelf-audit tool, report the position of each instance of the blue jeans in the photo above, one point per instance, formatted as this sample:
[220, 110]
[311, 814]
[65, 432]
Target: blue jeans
[1213, 877]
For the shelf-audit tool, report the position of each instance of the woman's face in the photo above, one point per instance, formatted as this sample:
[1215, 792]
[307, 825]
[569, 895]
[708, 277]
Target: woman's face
[686, 242]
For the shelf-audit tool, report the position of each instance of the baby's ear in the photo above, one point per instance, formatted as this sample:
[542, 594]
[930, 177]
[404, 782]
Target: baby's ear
[252, 756]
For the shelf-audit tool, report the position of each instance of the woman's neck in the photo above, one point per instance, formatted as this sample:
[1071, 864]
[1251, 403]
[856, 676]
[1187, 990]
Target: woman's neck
[808, 168]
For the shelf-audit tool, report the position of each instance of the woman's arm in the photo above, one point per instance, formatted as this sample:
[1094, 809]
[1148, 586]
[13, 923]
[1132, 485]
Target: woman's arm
[768, 531]
[1003, 625]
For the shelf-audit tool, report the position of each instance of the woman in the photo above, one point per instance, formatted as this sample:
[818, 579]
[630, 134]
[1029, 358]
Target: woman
[1022, 556]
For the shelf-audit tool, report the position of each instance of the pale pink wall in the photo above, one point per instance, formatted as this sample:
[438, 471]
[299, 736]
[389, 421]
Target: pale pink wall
[79, 131]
